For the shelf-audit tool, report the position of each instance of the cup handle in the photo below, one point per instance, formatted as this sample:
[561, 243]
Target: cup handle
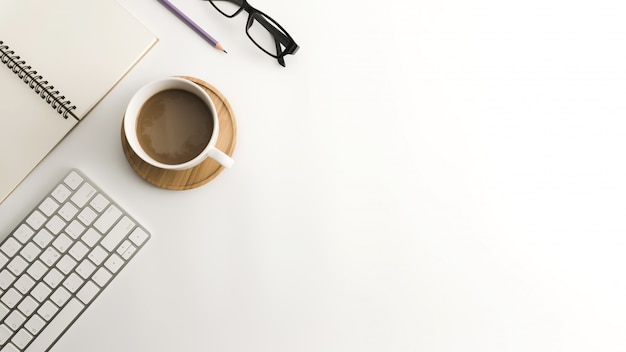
[221, 157]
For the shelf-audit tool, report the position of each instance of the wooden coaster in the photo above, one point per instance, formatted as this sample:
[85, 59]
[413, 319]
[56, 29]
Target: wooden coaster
[200, 174]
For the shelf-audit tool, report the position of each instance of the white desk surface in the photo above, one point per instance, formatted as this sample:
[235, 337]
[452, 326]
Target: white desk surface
[422, 176]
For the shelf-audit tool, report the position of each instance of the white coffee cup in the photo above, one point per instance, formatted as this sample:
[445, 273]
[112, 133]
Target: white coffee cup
[172, 84]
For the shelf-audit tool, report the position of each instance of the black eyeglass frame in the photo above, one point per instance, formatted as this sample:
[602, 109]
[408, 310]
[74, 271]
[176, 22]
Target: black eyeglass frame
[281, 37]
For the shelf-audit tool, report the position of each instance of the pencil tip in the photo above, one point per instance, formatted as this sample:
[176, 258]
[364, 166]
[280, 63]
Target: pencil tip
[219, 46]
[225, 51]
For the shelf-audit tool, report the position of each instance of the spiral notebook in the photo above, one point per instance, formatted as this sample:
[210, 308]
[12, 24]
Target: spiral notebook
[59, 58]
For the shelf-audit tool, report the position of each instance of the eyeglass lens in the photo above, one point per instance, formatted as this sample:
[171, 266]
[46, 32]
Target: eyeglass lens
[228, 8]
[265, 34]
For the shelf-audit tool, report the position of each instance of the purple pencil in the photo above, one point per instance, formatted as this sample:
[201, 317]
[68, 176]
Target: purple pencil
[193, 25]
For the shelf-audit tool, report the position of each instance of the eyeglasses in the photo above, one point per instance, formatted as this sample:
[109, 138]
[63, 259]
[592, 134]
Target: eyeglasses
[264, 32]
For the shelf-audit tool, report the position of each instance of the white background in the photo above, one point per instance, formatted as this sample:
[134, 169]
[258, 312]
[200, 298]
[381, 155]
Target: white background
[422, 176]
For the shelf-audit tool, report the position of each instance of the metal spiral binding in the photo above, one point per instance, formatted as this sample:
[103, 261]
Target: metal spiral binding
[36, 82]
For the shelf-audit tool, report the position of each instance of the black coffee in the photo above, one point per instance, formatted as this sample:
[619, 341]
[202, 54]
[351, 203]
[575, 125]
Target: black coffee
[174, 126]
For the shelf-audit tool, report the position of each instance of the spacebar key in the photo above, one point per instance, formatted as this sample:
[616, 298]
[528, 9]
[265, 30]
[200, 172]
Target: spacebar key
[56, 327]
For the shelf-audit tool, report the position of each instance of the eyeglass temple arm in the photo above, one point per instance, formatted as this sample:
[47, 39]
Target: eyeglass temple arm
[280, 58]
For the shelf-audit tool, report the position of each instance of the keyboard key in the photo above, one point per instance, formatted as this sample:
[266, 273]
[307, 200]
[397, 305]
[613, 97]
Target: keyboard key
[55, 225]
[73, 282]
[78, 251]
[102, 276]
[50, 256]
[17, 265]
[36, 219]
[91, 237]
[56, 327]
[21, 338]
[83, 195]
[88, 292]
[10, 247]
[73, 180]
[11, 297]
[66, 264]
[37, 269]
[108, 218]
[41, 292]
[114, 263]
[24, 284]
[23, 233]
[34, 324]
[87, 216]
[53, 278]
[62, 243]
[30, 251]
[15, 320]
[42, 238]
[68, 211]
[48, 206]
[99, 203]
[75, 229]
[85, 269]
[60, 296]
[6, 279]
[97, 255]
[47, 310]
[28, 306]
[5, 334]
[61, 193]
[117, 234]
[138, 236]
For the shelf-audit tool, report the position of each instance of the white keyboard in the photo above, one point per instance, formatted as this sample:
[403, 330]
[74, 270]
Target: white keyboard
[59, 259]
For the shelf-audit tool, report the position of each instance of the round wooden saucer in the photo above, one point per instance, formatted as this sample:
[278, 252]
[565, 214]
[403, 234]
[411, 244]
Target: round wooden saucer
[200, 174]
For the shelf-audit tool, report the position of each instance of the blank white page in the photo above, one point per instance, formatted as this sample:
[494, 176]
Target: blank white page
[82, 47]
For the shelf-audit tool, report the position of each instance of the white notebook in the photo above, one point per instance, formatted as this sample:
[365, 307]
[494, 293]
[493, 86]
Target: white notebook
[59, 58]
